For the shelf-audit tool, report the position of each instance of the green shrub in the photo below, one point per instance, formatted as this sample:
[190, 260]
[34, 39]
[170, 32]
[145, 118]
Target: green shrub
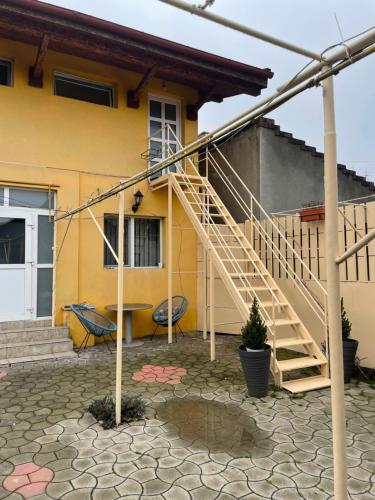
[346, 326]
[254, 333]
[104, 410]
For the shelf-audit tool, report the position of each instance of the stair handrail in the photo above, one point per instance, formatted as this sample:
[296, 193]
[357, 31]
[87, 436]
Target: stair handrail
[271, 244]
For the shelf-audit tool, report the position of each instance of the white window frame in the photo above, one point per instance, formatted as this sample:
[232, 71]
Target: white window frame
[163, 122]
[131, 264]
[11, 62]
[82, 80]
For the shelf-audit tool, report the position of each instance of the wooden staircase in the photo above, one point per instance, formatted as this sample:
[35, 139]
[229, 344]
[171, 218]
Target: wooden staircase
[246, 277]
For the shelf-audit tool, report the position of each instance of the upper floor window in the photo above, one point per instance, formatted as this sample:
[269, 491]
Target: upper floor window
[5, 72]
[83, 90]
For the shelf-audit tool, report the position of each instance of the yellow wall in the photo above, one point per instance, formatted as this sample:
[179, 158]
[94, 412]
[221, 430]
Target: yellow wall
[49, 140]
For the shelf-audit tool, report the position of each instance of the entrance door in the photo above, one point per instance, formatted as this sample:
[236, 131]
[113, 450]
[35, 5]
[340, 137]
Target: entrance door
[164, 131]
[15, 265]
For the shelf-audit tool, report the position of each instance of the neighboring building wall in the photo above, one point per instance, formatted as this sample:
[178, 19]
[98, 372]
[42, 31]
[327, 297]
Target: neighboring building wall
[291, 176]
[46, 140]
[282, 172]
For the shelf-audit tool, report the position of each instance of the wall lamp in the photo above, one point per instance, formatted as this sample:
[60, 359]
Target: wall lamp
[137, 201]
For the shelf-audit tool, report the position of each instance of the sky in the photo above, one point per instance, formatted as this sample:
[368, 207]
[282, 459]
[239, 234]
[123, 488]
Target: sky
[309, 23]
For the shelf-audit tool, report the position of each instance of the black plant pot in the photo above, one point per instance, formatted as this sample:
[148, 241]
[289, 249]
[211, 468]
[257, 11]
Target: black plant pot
[350, 347]
[256, 367]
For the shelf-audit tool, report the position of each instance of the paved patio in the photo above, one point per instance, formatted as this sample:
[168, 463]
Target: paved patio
[203, 438]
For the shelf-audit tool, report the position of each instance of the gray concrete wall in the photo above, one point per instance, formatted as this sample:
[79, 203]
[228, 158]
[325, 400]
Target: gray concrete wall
[291, 176]
[242, 152]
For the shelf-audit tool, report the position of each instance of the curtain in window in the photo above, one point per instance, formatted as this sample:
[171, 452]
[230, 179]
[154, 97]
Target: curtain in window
[146, 242]
[111, 232]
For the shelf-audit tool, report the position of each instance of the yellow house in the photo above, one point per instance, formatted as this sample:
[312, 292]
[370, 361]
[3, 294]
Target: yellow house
[84, 103]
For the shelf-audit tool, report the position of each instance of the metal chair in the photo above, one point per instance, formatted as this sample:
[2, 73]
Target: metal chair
[160, 314]
[94, 323]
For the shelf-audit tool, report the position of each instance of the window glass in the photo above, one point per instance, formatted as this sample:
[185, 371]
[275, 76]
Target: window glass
[170, 112]
[5, 73]
[29, 198]
[45, 240]
[155, 130]
[1, 196]
[44, 292]
[83, 90]
[155, 109]
[12, 241]
[146, 242]
[111, 232]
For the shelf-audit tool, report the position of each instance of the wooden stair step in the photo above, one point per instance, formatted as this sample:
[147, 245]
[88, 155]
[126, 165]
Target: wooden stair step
[240, 260]
[298, 363]
[306, 384]
[244, 275]
[283, 322]
[257, 289]
[292, 341]
[270, 304]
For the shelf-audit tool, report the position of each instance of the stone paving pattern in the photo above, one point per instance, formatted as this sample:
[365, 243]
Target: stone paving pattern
[228, 446]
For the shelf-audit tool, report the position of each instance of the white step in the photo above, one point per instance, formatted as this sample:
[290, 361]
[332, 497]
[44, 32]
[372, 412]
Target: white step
[298, 363]
[33, 334]
[40, 357]
[283, 322]
[35, 348]
[306, 384]
[291, 341]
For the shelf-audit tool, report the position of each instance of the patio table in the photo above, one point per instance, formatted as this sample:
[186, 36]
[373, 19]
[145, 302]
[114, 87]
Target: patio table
[128, 309]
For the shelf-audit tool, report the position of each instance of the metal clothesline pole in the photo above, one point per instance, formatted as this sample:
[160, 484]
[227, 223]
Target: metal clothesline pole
[193, 9]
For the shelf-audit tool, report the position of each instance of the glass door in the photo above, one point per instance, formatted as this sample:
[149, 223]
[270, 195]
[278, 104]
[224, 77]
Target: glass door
[164, 131]
[15, 265]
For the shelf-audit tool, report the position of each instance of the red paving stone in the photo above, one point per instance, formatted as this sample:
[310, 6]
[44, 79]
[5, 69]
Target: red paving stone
[3, 374]
[28, 480]
[162, 374]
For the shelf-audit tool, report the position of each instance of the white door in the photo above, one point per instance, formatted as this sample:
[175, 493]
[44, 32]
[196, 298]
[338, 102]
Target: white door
[164, 131]
[15, 265]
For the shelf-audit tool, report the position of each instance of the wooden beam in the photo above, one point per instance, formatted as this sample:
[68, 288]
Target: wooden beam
[133, 95]
[36, 71]
[192, 109]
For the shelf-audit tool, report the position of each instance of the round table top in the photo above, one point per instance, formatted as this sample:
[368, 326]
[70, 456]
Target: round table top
[129, 307]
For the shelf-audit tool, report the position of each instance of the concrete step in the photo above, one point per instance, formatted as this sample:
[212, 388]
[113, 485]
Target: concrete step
[41, 357]
[22, 349]
[22, 324]
[31, 335]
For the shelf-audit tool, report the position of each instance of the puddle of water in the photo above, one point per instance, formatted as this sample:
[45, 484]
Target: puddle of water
[219, 427]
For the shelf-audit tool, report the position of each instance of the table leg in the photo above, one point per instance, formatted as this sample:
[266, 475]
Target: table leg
[128, 319]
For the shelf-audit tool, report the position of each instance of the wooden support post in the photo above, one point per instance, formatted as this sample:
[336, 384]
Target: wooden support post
[212, 310]
[54, 250]
[36, 71]
[120, 300]
[170, 260]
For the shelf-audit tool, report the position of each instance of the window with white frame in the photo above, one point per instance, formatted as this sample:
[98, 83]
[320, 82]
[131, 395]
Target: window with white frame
[82, 89]
[142, 241]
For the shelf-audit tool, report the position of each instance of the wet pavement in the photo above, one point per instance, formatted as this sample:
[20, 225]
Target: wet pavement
[202, 437]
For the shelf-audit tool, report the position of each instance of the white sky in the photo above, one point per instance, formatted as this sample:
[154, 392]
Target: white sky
[308, 23]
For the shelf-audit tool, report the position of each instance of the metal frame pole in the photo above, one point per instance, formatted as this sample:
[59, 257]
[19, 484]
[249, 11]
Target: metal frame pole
[120, 292]
[212, 309]
[170, 260]
[333, 294]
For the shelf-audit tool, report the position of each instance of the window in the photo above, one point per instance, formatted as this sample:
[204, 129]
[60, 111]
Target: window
[83, 90]
[30, 198]
[5, 73]
[141, 241]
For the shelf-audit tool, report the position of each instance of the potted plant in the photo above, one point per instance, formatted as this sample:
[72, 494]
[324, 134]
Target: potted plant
[349, 347]
[255, 354]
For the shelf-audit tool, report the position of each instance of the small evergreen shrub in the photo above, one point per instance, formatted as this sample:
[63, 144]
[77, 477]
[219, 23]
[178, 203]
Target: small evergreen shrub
[346, 326]
[104, 410]
[254, 333]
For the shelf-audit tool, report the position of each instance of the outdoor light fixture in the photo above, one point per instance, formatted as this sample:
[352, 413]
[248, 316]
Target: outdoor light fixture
[137, 201]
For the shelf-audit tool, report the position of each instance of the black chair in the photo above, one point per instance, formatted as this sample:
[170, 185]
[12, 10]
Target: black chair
[94, 323]
[160, 314]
